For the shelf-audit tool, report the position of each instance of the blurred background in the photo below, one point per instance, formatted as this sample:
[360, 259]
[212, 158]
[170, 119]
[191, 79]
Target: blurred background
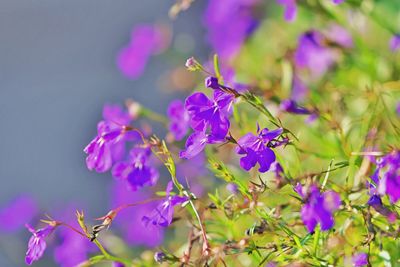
[57, 70]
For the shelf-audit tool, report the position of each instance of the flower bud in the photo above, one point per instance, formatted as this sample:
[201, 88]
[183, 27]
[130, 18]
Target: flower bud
[160, 257]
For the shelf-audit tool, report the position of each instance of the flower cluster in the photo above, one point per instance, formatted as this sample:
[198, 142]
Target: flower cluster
[318, 207]
[335, 77]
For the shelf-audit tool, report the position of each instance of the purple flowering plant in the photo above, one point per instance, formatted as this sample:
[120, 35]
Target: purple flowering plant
[248, 181]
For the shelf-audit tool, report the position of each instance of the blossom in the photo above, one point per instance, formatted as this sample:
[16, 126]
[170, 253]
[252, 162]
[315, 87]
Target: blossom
[208, 118]
[159, 256]
[179, 119]
[257, 149]
[129, 221]
[387, 176]
[195, 143]
[290, 9]
[137, 170]
[109, 144]
[360, 259]
[210, 113]
[226, 35]
[398, 109]
[299, 89]
[339, 35]
[313, 54]
[232, 188]
[318, 207]
[36, 244]
[395, 43]
[291, 106]
[146, 40]
[164, 212]
[16, 213]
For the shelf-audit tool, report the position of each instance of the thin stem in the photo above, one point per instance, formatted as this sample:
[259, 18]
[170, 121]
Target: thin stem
[154, 116]
[206, 245]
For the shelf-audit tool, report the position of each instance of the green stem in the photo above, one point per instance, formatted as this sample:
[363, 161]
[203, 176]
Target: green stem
[154, 116]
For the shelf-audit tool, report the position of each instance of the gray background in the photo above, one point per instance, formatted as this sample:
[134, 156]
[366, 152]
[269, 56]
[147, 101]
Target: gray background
[57, 69]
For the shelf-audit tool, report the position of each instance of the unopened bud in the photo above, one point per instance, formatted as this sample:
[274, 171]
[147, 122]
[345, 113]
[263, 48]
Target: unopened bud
[192, 64]
[160, 257]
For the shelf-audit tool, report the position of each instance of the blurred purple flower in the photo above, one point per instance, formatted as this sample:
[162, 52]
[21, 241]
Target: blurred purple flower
[15, 214]
[129, 220]
[291, 106]
[146, 40]
[290, 9]
[339, 35]
[163, 214]
[312, 54]
[398, 109]
[318, 208]
[36, 244]
[299, 89]
[360, 259]
[195, 143]
[137, 170]
[226, 35]
[232, 188]
[179, 119]
[387, 175]
[256, 149]
[109, 144]
[395, 43]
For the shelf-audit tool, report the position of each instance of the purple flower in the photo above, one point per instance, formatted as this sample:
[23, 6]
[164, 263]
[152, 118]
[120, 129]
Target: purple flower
[318, 208]
[360, 259]
[398, 109]
[232, 188]
[164, 212]
[109, 144]
[179, 119]
[299, 89]
[36, 244]
[209, 119]
[146, 40]
[257, 149]
[291, 106]
[195, 143]
[16, 213]
[339, 35]
[226, 35]
[137, 170]
[290, 9]
[210, 114]
[129, 220]
[312, 54]
[387, 176]
[395, 43]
